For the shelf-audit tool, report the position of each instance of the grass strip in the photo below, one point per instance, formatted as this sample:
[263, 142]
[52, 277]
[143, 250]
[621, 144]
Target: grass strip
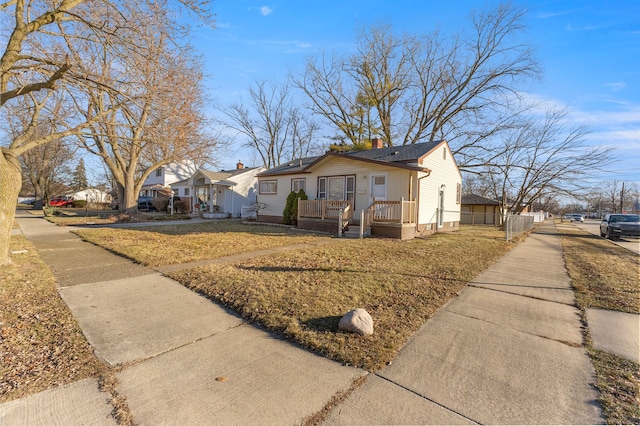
[605, 276]
[42, 345]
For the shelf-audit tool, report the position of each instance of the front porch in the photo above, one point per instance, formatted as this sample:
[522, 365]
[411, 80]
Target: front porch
[392, 219]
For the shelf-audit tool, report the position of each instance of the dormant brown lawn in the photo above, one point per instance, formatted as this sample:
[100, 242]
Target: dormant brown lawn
[302, 294]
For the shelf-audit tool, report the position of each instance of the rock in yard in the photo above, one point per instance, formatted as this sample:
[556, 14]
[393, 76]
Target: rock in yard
[357, 321]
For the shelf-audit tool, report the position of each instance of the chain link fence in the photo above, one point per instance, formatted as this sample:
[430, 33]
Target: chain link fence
[517, 224]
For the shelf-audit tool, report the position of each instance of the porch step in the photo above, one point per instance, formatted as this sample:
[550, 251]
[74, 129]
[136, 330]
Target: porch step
[354, 232]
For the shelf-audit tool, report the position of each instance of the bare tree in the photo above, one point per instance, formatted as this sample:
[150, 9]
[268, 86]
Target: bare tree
[46, 167]
[35, 60]
[418, 88]
[542, 158]
[152, 113]
[275, 129]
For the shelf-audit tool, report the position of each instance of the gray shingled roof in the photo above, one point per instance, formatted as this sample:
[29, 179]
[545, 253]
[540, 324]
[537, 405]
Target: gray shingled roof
[394, 154]
[397, 154]
[478, 200]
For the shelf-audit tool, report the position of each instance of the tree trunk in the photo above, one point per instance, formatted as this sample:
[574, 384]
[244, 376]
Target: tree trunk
[130, 197]
[10, 183]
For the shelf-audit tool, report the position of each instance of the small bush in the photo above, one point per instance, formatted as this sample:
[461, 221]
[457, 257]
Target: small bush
[79, 203]
[290, 213]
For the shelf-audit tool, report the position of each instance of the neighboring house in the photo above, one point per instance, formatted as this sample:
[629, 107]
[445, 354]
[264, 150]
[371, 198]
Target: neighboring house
[400, 191]
[90, 195]
[219, 194]
[477, 210]
[158, 183]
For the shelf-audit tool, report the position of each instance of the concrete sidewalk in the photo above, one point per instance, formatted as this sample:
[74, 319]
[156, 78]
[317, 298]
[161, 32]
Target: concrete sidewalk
[182, 358]
[508, 350]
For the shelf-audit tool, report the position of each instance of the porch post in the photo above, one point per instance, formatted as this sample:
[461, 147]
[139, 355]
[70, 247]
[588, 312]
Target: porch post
[340, 223]
[361, 223]
[401, 210]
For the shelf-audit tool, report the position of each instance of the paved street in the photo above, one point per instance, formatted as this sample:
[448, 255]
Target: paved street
[593, 226]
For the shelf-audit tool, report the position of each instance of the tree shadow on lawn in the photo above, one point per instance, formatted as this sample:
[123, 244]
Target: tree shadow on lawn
[323, 324]
[188, 228]
[343, 271]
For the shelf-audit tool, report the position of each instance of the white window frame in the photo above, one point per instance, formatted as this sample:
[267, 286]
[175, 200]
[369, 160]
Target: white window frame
[296, 184]
[273, 190]
[323, 189]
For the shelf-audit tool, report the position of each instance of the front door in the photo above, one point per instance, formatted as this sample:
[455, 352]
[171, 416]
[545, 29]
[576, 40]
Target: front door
[378, 187]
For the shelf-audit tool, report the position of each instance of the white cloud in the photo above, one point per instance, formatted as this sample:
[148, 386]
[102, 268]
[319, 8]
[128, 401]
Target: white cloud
[265, 10]
[618, 85]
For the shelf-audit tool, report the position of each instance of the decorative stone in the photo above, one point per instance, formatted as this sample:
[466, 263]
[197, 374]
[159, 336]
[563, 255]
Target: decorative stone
[357, 321]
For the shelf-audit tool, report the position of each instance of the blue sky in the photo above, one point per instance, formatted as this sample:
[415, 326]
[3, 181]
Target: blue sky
[589, 51]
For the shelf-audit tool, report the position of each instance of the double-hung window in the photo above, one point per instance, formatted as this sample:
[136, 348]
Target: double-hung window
[298, 184]
[268, 187]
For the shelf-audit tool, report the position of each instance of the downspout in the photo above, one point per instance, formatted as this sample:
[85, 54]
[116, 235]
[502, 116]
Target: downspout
[232, 194]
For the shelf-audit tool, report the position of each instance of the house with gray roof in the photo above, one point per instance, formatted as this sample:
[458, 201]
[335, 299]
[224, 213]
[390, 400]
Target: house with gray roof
[225, 193]
[398, 191]
[478, 210]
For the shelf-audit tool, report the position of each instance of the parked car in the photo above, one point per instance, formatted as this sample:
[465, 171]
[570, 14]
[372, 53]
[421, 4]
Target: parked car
[145, 204]
[573, 217]
[60, 202]
[577, 218]
[614, 226]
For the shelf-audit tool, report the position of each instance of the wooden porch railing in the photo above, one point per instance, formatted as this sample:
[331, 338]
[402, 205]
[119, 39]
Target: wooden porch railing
[324, 209]
[344, 218]
[381, 211]
[394, 211]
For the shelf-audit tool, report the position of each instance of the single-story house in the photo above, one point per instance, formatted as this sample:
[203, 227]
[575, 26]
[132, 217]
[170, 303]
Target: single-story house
[220, 194]
[478, 210]
[398, 191]
[90, 195]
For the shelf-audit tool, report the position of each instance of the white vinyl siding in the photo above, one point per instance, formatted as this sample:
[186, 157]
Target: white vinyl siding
[443, 172]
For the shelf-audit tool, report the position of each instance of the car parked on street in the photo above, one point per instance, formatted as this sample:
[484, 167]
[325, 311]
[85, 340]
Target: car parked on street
[614, 226]
[60, 202]
[573, 217]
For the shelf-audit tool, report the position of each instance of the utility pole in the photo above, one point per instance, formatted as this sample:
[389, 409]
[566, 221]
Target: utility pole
[622, 198]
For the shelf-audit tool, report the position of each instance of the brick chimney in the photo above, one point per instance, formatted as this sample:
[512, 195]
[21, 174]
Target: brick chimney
[239, 166]
[376, 143]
